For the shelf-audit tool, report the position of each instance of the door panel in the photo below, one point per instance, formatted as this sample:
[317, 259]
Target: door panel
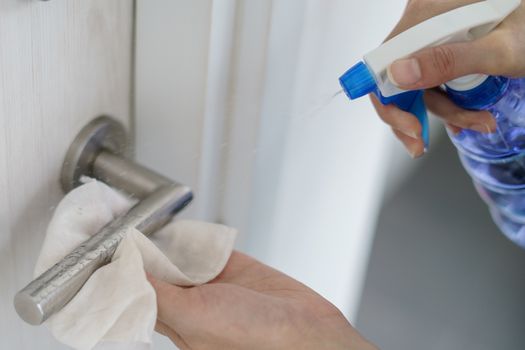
[172, 66]
[62, 62]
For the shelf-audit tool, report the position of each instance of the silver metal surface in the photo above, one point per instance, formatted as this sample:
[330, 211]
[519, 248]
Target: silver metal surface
[91, 154]
[101, 134]
[127, 175]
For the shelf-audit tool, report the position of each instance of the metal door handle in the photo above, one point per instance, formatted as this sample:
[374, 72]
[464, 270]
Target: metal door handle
[99, 151]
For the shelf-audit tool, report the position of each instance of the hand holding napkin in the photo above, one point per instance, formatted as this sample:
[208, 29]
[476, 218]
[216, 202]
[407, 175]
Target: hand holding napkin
[116, 308]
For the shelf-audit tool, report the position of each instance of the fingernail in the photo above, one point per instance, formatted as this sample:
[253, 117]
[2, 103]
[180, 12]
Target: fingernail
[414, 152]
[409, 132]
[454, 130]
[404, 72]
[484, 128]
[150, 277]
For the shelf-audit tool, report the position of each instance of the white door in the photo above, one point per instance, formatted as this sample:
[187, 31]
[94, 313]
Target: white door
[62, 63]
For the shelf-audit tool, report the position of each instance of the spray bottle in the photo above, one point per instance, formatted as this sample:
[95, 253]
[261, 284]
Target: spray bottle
[495, 161]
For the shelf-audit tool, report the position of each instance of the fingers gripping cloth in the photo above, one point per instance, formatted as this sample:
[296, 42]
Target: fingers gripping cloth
[116, 308]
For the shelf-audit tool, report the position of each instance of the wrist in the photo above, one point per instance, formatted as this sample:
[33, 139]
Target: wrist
[355, 341]
[342, 338]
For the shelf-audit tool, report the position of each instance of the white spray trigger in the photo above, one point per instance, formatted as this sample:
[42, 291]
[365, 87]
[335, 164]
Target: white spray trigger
[462, 24]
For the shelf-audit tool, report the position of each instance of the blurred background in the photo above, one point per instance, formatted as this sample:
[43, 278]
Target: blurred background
[440, 275]
[317, 185]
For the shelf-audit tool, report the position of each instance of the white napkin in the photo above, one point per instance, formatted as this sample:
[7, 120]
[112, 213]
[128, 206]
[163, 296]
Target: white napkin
[116, 308]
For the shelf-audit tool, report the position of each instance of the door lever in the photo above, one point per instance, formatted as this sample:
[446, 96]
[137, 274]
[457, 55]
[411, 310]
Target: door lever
[99, 151]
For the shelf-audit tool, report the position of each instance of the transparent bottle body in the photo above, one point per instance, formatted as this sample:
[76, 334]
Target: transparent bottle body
[496, 161]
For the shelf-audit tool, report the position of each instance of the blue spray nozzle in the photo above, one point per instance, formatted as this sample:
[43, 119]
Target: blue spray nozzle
[358, 81]
[463, 24]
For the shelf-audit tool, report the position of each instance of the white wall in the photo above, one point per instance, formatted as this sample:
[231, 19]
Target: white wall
[321, 168]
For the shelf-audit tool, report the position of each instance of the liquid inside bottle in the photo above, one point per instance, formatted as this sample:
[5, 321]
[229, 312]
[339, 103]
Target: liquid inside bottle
[496, 161]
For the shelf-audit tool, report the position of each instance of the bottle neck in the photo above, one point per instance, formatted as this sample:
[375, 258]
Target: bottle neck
[481, 97]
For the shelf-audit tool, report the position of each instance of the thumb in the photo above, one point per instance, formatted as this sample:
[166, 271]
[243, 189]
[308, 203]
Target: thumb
[434, 66]
[170, 304]
[170, 300]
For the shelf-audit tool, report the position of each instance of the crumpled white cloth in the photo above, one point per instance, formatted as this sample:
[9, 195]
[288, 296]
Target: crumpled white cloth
[116, 308]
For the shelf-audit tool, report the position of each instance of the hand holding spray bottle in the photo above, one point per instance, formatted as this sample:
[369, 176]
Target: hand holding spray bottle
[495, 161]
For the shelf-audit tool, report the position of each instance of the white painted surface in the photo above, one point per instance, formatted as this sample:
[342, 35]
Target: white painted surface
[320, 171]
[172, 55]
[228, 108]
[214, 139]
[62, 63]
